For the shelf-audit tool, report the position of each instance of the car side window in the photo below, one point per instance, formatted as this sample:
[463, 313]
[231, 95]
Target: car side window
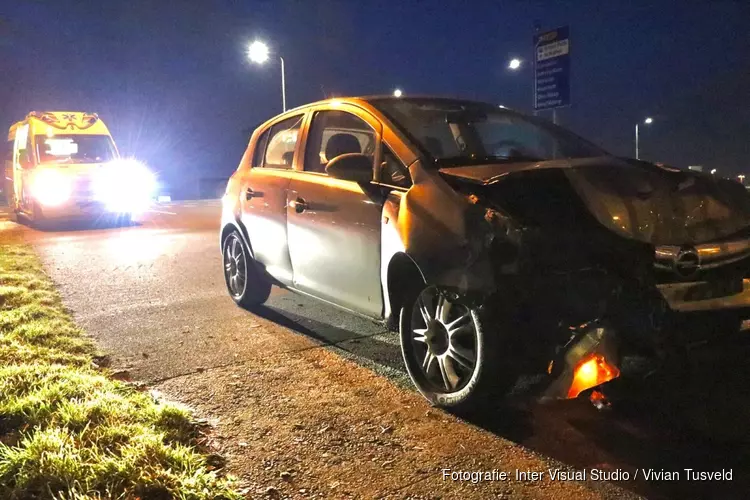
[260, 149]
[282, 140]
[334, 133]
[392, 171]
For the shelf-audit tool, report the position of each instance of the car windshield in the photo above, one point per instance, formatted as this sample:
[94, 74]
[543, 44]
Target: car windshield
[460, 132]
[75, 148]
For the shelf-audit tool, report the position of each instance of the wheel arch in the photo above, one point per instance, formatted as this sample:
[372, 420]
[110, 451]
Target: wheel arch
[235, 226]
[402, 271]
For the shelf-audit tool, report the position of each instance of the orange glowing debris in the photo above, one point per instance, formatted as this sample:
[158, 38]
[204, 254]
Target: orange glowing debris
[591, 372]
[599, 400]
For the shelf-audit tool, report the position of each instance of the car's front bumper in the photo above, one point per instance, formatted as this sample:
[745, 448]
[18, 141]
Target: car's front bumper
[76, 209]
[695, 297]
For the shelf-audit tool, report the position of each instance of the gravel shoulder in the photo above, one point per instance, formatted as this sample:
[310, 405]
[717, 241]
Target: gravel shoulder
[312, 424]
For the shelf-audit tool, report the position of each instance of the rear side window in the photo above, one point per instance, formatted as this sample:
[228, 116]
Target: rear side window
[260, 149]
[282, 141]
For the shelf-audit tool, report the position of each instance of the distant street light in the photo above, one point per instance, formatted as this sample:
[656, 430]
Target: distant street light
[713, 171]
[647, 121]
[397, 93]
[741, 177]
[514, 64]
[258, 53]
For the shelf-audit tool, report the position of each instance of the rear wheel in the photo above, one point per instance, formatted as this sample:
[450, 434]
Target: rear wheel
[245, 283]
[450, 352]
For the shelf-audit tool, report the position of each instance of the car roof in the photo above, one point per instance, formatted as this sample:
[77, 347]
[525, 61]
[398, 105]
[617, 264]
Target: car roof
[367, 100]
[381, 97]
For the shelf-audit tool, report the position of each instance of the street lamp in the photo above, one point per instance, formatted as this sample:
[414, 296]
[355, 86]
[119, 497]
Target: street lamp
[741, 177]
[514, 64]
[397, 93]
[258, 53]
[713, 171]
[647, 121]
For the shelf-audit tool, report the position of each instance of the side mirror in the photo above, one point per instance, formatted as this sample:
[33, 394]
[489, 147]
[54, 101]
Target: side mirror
[351, 167]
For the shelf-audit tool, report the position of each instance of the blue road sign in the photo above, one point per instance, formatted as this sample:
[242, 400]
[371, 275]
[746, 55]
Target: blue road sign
[552, 69]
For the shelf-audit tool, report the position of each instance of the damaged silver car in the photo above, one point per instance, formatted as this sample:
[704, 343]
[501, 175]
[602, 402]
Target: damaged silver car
[495, 243]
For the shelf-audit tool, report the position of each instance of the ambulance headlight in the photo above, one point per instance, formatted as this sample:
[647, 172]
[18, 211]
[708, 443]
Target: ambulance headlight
[124, 186]
[51, 187]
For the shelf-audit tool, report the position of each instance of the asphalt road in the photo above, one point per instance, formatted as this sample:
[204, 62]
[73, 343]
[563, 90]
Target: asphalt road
[153, 296]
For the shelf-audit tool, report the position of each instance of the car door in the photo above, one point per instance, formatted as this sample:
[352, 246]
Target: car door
[333, 224]
[263, 196]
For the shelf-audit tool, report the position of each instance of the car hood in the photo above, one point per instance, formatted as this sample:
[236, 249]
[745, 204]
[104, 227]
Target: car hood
[639, 200]
[494, 172]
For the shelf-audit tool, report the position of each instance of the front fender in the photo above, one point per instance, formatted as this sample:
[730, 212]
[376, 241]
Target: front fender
[231, 221]
[443, 232]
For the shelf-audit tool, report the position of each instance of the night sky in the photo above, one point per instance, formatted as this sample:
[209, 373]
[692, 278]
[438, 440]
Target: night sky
[172, 81]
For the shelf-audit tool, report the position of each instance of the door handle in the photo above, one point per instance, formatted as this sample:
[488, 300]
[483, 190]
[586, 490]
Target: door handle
[249, 193]
[299, 205]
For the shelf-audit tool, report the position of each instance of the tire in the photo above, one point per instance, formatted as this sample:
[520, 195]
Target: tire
[37, 218]
[245, 283]
[439, 340]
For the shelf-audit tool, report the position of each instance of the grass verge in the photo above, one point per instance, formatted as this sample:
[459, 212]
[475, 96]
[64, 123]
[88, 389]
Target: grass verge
[68, 431]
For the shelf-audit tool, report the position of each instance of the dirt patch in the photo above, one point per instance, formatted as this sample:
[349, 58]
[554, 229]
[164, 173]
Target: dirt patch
[311, 424]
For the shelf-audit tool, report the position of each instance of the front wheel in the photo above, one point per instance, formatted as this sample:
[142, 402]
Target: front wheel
[451, 353]
[37, 218]
[245, 283]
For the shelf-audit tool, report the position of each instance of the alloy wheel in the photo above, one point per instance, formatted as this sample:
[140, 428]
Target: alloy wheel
[444, 341]
[235, 266]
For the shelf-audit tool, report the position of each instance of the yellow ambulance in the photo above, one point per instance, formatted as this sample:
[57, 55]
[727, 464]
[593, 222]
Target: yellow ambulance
[65, 164]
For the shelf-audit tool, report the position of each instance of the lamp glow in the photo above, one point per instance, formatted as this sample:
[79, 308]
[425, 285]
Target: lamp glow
[257, 52]
[648, 120]
[125, 186]
[397, 93]
[514, 64]
[51, 188]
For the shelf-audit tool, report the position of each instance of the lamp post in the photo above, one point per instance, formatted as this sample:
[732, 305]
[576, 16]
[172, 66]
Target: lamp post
[647, 121]
[397, 93]
[258, 53]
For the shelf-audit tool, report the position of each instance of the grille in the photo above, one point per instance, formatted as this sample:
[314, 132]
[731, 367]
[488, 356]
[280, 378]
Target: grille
[82, 188]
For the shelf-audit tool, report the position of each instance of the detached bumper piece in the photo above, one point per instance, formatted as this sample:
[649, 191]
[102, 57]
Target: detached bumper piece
[589, 360]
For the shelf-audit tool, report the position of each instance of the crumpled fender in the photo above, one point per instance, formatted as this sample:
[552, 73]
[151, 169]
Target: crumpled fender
[441, 231]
